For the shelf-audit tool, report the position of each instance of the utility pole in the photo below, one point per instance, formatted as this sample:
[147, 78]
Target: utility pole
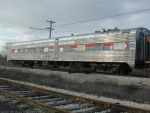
[51, 22]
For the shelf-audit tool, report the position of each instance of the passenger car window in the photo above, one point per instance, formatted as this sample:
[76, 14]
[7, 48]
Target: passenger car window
[98, 47]
[66, 48]
[81, 48]
[120, 45]
[132, 45]
[108, 46]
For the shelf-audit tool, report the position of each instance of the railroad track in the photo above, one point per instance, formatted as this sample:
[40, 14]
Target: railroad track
[60, 102]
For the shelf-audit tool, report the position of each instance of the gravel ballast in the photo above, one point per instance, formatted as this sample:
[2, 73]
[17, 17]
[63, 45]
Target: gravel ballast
[11, 105]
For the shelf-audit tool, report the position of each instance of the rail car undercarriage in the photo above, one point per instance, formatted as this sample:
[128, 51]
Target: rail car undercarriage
[75, 67]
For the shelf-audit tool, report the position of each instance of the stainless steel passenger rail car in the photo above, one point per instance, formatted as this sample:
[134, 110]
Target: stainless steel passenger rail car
[112, 51]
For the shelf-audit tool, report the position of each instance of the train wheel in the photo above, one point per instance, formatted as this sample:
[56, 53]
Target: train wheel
[124, 69]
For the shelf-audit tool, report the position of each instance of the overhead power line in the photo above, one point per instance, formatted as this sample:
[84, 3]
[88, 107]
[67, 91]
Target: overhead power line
[39, 29]
[105, 17]
[46, 29]
[89, 20]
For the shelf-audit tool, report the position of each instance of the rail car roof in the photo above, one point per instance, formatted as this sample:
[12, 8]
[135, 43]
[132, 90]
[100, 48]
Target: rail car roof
[77, 36]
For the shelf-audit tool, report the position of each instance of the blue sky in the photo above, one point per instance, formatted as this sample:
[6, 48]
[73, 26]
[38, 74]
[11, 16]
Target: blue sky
[18, 15]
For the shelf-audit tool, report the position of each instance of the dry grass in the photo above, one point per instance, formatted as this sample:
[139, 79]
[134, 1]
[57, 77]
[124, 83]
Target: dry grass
[138, 93]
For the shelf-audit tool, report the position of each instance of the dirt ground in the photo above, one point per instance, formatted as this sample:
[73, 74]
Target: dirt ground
[124, 88]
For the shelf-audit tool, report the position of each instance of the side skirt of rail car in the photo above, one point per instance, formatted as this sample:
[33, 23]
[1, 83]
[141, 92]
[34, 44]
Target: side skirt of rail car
[85, 67]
